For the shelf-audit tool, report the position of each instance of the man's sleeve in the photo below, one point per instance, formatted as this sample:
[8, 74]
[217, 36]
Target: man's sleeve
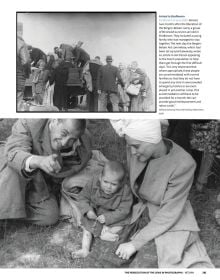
[84, 199]
[171, 207]
[19, 146]
[123, 210]
[76, 52]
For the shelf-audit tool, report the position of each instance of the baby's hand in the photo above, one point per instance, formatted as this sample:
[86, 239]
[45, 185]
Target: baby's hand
[91, 215]
[101, 219]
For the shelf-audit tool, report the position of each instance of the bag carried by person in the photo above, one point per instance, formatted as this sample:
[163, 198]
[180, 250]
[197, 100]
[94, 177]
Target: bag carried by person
[133, 89]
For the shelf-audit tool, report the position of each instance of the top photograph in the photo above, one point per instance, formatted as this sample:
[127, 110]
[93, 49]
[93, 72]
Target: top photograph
[86, 62]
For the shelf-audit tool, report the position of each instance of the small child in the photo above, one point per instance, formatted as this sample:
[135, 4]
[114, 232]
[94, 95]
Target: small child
[106, 201]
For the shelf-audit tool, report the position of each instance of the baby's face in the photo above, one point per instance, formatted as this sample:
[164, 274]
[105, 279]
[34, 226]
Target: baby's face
[110, 182]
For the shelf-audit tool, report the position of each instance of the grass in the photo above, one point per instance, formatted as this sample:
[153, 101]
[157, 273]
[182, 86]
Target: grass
[28, 246]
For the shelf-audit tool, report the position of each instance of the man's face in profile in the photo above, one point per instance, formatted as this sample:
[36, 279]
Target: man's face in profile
[63, 134]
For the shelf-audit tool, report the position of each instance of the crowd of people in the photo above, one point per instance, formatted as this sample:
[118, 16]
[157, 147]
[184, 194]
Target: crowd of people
[51, 171]
[109, 88]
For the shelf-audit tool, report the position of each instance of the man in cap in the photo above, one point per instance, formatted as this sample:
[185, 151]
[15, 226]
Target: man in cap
[107, 84]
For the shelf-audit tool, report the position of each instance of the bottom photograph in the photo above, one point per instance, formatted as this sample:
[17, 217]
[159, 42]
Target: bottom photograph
[101, 193]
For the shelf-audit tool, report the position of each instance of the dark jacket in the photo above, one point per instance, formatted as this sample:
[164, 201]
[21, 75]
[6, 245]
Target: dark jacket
[60, 77]
[37, 54]
[80, 55]
[116, 208]
[108, 78]
[94, 69]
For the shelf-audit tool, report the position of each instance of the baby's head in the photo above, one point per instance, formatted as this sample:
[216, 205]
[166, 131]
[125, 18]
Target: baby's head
[112, 177]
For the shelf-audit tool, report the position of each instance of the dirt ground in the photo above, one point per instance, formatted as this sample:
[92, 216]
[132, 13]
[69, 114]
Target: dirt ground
[28, 246]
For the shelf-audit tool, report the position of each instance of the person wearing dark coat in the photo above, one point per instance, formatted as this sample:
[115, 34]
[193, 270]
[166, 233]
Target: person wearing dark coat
[107, 84]
[80, 56]
[59, 77]
[35, 55]
[93, 67]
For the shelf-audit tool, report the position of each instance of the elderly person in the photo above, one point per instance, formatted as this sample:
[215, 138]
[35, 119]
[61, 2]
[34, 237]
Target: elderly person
[161, 175]
[144, 100]
[43, 160]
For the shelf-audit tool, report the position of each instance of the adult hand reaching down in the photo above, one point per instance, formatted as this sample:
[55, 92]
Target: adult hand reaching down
[125, 250]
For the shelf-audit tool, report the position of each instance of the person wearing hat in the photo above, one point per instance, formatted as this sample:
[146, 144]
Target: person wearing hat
[107, 84]
[161, 175]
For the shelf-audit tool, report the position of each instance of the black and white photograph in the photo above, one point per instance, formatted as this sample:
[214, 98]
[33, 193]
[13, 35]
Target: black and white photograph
[109, 193]
[86, 62]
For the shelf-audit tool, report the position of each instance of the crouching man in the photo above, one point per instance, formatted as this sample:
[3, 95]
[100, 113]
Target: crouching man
[36, 158]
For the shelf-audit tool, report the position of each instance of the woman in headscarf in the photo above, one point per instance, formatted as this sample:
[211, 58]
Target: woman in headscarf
[59, 77]
[161, 175]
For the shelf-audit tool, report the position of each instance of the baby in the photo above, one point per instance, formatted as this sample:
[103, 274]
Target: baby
[106, 201]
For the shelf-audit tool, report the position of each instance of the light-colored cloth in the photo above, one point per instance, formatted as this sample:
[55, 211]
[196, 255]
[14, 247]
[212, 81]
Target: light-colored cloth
[87, 76]
[69, 204]
[182, 249]
[143, 130]
[48, 95]
[125, 99]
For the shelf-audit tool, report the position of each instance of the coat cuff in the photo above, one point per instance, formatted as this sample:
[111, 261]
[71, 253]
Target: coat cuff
[16, 160]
